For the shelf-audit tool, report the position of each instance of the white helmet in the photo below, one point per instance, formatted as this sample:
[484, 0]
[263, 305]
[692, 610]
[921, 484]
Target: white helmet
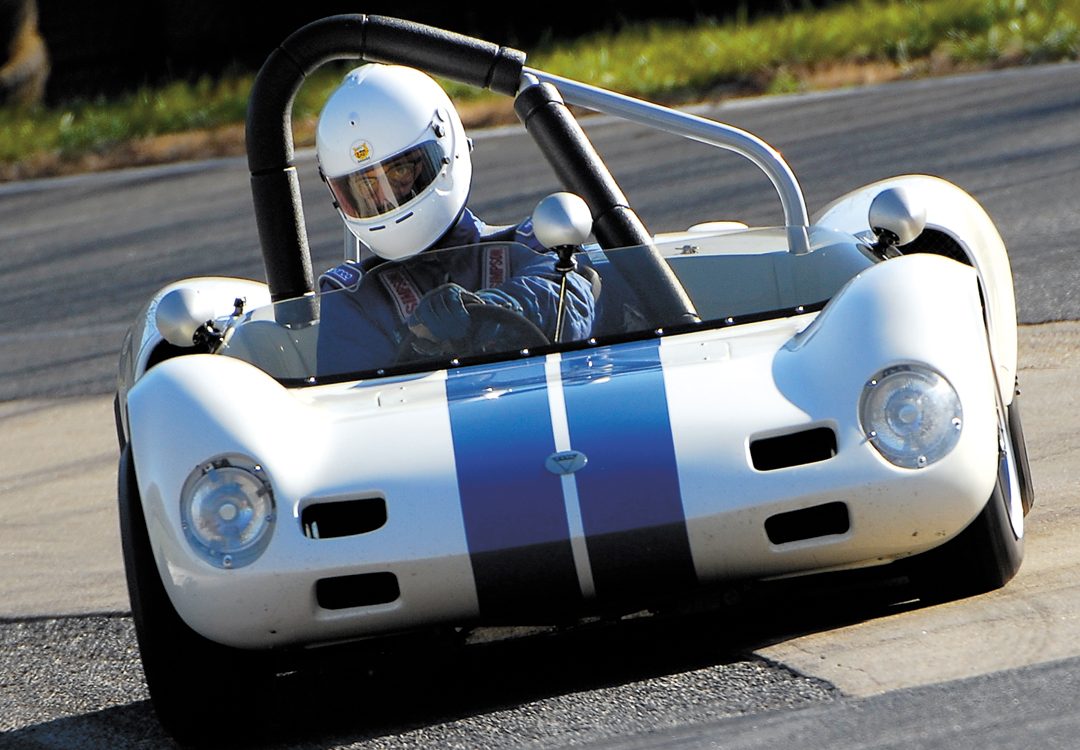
[394, 153]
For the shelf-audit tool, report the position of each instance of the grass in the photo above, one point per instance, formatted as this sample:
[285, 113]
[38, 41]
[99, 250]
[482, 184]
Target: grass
[667, 62]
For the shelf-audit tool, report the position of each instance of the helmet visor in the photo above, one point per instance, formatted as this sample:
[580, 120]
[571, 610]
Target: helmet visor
[389, 184]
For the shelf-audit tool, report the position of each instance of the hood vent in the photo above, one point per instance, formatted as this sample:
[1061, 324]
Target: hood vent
[363, 590]
[829, 519]
[339, 518]
[794, 449]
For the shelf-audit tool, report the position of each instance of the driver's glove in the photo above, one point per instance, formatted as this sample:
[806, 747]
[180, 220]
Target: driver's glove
[441, 313]
[498, 297]
[492, 331]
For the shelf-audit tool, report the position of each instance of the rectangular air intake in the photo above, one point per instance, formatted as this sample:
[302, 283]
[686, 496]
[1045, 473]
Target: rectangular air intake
[343, 517]
[363, 590]
[808, 523]
[793, 449]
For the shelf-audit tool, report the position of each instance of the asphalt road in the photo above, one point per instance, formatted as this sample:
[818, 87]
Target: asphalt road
[81, 255]
[845, 670]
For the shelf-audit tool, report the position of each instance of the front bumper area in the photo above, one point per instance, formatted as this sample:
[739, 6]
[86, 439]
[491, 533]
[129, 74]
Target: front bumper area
[672, 496]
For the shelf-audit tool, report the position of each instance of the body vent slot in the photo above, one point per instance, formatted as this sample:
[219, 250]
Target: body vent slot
[343, 517]
[363, 590]
[794, 449]
[809, 523]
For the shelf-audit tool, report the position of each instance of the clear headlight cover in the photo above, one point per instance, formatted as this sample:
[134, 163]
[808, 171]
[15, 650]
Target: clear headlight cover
[911, 415]
[227, 511]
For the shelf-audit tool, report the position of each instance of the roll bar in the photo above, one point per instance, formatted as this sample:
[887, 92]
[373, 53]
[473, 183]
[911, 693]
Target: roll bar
[539, 103]
[701, 129]
[275, 186]
[568, 150]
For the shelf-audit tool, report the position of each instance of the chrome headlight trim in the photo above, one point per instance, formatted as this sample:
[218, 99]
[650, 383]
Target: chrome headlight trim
[911, 414]
[227, 511]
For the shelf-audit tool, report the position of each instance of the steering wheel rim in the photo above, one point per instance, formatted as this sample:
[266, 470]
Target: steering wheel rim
[517, 330]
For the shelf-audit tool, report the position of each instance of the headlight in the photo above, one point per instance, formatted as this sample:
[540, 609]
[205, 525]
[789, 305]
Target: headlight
[227, 510]
[911, 414]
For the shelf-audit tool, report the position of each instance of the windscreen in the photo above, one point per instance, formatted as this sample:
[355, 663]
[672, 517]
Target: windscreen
[505, 301]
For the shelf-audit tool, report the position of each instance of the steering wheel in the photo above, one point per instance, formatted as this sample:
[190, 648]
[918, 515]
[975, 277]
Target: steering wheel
[491, 329]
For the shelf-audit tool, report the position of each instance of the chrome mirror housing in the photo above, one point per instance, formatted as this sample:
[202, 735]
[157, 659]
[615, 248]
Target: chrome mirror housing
[180, 313]
[896, 217]
[562, 219]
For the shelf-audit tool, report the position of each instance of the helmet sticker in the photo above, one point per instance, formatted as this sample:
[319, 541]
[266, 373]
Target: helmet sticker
[361, 151]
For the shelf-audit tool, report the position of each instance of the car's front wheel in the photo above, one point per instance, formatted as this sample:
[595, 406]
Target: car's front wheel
[1019, 449]
[191, 679]
[987, 554]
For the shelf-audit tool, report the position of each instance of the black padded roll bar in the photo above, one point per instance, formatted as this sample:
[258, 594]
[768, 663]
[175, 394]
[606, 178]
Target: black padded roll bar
[275, 185]
[571, 154]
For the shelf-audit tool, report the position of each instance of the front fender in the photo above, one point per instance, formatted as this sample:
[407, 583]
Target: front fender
[953, 211]
[143, 336]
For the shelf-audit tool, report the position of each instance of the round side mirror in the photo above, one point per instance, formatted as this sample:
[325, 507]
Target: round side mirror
[180, 313]
[562, 219]
[896, 217]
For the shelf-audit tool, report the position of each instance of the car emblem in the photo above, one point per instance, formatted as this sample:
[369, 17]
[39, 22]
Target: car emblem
[565, 462]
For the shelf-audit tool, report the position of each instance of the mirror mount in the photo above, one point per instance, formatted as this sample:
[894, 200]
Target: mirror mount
[185, 318]
[562, 223]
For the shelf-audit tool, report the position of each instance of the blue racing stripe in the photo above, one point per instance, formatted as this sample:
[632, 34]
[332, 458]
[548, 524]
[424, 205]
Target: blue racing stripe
[631, 506]
[515, 514]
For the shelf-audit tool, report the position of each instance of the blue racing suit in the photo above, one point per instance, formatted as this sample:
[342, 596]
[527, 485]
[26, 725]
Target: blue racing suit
[362, 327]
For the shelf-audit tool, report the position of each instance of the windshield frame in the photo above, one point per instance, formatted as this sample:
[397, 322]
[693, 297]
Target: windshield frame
[296, 312]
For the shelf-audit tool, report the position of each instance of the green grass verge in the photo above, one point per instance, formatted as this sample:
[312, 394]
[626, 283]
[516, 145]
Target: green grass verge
[658, 61]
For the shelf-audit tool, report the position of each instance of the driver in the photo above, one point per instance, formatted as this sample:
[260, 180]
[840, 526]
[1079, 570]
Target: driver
[393, 151]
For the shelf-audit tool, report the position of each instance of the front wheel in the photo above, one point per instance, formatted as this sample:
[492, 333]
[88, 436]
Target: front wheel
[1020, 454]
[987, 554]
[191, 679]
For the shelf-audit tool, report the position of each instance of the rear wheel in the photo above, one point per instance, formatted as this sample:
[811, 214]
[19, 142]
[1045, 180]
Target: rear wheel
[987, 554]
[199, 688]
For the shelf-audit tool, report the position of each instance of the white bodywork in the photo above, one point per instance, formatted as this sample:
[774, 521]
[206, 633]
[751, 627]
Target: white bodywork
[610, 464]
[393, 439]
[611, 425]
[951, 210]
[143, 338]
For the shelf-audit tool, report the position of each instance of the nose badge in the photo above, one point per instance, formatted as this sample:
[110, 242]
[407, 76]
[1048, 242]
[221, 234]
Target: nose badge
[565, 462]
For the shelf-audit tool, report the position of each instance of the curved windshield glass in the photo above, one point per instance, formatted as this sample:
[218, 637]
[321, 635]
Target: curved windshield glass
[503, 300]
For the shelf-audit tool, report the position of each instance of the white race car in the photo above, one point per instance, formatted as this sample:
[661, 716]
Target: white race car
[751, 403]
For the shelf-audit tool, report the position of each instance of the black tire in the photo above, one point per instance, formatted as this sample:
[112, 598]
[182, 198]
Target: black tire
[983, 557]
[187, 674]
[1019, 449]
